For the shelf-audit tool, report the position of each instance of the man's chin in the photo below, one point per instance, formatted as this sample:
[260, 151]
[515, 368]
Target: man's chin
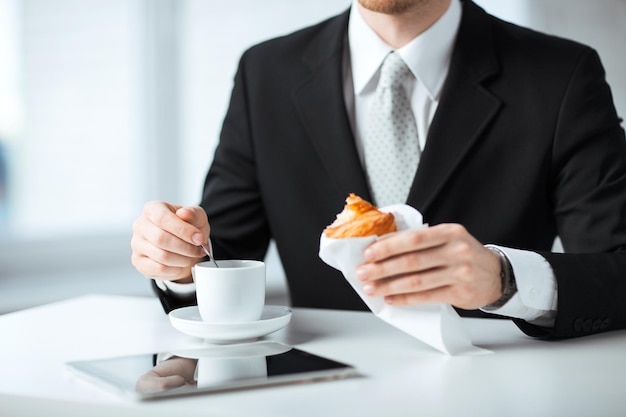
[391, 7]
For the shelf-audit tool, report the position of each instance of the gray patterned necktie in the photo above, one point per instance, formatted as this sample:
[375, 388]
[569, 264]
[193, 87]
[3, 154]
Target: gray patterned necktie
[390, 142]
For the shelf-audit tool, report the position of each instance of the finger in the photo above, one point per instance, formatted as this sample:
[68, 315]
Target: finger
[410, 283]
[195, 216]
[418, 261]
[436, 295]
[155, 270]
[166, 257]
[407, 241]
[146, 232]
[163, 216]
[449, 294]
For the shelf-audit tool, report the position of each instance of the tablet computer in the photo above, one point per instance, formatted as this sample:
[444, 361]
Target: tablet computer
[208, 370]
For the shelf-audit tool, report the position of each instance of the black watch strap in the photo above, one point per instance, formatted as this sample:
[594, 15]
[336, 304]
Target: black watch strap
[509, 286]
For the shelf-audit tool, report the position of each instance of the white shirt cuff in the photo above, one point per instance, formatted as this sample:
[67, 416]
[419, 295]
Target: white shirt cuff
[536, 297]
[176, 287]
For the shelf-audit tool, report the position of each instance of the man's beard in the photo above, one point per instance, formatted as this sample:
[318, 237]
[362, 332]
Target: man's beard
[391, 7]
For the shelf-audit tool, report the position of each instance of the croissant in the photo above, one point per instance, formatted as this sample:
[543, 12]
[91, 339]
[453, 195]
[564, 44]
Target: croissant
[360, 218]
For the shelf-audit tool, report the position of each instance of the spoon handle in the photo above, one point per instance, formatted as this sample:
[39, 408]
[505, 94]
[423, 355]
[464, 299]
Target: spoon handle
[208, 249]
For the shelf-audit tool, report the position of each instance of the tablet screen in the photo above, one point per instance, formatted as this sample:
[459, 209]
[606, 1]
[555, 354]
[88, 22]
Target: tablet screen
[211, 369]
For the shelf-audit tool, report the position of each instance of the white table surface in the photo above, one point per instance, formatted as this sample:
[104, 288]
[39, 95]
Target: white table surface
[399, 375]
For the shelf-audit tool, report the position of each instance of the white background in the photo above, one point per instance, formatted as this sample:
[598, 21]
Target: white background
[106, 104]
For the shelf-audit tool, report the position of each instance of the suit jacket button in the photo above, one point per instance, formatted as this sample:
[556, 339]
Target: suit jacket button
[587, 325]
[605, 324]
[597, 324]
[578, 325]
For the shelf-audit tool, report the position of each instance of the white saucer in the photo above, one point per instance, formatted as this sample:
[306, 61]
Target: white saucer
[187, 320]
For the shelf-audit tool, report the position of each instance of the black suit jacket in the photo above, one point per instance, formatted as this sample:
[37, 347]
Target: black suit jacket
[525, 145]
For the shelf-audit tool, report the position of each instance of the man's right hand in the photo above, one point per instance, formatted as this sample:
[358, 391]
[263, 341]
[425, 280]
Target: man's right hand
[166, 239]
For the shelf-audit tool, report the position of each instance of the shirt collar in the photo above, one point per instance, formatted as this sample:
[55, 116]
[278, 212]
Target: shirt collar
[427, 56]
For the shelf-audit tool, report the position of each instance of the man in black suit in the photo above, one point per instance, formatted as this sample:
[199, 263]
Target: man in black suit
[518, 140]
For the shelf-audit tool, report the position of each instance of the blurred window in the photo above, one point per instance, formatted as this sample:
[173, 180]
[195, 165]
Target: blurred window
[106, 104]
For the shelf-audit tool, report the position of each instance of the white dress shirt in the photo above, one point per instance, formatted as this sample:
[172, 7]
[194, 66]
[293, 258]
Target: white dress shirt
[428, 58]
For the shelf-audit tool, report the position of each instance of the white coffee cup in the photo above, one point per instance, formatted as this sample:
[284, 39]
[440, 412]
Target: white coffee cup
[232, 292]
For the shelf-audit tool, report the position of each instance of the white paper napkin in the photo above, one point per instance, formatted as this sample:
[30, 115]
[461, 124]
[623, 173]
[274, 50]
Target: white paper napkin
[437, 325]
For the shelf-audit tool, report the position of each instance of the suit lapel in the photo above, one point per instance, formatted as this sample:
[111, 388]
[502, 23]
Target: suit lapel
[321, 105]
[465, 109]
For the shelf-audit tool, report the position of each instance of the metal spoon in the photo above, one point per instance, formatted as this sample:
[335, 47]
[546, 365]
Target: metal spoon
[208, 249]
